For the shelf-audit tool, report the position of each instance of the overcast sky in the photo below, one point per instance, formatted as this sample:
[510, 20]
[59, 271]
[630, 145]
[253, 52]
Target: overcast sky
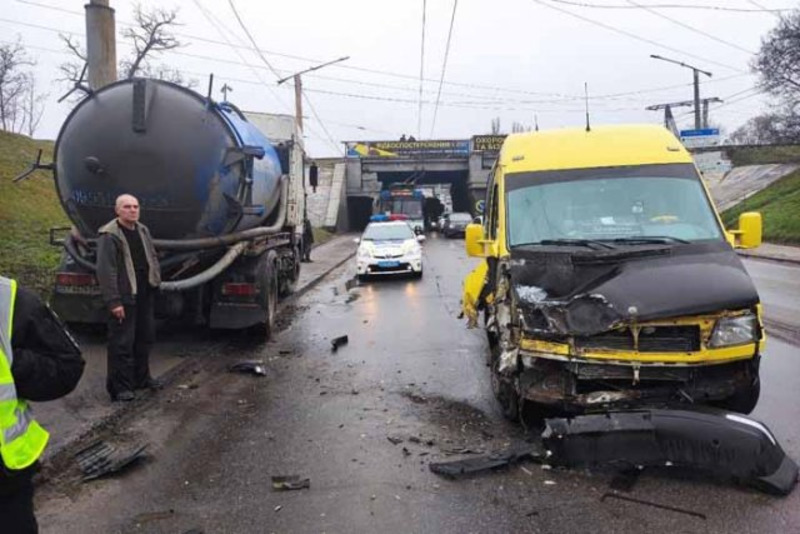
[511, 59]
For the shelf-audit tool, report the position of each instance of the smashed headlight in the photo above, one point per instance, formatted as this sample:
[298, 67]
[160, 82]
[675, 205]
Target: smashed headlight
[734, 331]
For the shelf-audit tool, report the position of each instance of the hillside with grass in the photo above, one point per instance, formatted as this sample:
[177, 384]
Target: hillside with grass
[28, 209]
[779, 205]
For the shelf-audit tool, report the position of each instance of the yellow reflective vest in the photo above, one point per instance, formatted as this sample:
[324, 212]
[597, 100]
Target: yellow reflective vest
[22, 440]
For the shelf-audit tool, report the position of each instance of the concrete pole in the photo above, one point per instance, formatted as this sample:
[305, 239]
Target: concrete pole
[298, 102]
[697, 120]
[101, 43]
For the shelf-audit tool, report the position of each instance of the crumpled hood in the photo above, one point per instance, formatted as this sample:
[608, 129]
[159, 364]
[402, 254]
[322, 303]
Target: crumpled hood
[586, 293]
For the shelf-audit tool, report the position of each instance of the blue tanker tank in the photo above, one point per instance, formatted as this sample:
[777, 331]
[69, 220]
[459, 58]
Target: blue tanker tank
[198, 168]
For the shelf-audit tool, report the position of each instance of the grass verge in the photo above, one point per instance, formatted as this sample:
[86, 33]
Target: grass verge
[28, 209]
[779, 205]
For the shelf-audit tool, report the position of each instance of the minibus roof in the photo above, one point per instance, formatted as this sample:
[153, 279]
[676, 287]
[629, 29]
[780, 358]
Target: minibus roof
[602, 146]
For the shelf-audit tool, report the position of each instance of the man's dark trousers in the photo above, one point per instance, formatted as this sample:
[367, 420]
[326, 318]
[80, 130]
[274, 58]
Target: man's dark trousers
[129, 345]
[16, 503]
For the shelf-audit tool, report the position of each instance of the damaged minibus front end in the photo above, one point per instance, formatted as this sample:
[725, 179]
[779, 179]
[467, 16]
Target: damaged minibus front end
[651, 326]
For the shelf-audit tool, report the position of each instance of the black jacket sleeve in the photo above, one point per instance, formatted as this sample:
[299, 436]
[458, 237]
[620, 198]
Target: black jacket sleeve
[47, 360]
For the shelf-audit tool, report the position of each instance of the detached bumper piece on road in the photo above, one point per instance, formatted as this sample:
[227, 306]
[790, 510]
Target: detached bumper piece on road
[722, 444]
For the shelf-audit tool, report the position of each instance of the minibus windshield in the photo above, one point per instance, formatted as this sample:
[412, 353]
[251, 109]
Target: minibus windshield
[621, 205]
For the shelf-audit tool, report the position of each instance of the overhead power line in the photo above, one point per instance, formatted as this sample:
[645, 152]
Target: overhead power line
[671, 6]
[480, 87]
[255, 46]
[633, 35]
[421, 70]
[444, 65]
[691, 28]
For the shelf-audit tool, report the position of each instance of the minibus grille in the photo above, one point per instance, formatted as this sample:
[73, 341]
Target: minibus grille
[651, 339]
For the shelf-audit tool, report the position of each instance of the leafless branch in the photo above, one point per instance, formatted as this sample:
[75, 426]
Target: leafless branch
[151, 35]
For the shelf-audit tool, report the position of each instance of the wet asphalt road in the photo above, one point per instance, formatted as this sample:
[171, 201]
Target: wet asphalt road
[412, 372]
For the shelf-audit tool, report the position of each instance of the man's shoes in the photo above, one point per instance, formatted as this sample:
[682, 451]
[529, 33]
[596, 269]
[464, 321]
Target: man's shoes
[152, 384]
[123, 396]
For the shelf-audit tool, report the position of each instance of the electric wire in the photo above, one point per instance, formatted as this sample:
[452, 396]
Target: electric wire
[421, 70]
[255, 46]
[633, 35]
[691, 28]
[565, 99]
[671, 6]
[480, 87]
[444, 65]
[275, 72]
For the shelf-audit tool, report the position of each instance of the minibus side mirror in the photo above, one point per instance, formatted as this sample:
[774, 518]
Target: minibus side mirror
[473, 240]
[749, 233]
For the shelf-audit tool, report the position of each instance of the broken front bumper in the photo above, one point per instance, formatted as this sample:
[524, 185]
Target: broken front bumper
[577, 385]
[726, 444]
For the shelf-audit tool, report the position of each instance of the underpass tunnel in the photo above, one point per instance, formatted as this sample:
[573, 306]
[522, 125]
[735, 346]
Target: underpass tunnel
[359, 210]
[457, 179]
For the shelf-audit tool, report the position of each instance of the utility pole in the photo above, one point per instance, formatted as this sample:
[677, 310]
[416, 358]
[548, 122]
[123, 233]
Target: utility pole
[101, 44]
[669, 120]
[225, 89]
[698, 122]
[298, 89]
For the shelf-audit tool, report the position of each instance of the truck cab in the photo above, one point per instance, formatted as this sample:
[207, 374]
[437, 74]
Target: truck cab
[607, 279]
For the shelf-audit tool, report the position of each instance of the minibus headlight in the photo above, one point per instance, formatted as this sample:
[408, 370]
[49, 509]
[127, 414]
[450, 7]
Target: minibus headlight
[734, 331]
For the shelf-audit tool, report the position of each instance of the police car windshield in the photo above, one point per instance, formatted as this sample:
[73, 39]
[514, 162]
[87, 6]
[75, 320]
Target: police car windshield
[387, 232]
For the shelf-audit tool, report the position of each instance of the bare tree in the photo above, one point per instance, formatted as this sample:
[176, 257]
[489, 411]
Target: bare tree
[518, 127]
[14, 85]
[150, 35]
[779, 127]
[33, 106]
[71, 70]
[495, 126]
[778, 60]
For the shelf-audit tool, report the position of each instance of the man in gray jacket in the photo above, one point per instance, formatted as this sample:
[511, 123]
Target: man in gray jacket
[129, 275]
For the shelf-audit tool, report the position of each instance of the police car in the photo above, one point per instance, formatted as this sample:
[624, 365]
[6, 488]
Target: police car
[389, 247]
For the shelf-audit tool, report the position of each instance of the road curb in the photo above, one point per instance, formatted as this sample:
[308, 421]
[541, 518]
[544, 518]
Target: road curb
[790, 261]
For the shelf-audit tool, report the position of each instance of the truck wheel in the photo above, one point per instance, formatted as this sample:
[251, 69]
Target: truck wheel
[269, 298]
[744, 400]
[288, 285]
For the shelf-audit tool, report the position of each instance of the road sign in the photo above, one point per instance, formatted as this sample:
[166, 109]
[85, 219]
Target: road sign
[700, 138]
[480, 206]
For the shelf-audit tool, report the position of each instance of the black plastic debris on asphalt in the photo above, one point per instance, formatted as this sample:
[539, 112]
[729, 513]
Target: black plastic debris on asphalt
[721, 444]
[290, 483]
[524, 452]
[338, 342]
[102, 458]
[255, 367]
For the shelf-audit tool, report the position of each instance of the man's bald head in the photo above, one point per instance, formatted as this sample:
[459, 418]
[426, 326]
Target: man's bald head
[127, 210]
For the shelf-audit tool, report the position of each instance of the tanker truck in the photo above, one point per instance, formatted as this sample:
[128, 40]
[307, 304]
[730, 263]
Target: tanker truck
[224, 203]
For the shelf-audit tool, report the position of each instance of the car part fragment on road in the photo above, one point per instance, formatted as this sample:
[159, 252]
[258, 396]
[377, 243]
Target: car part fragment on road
[526, 451]
[102, 458]
[338, 342]
[255, 367]
[290, 482]
[723, 444]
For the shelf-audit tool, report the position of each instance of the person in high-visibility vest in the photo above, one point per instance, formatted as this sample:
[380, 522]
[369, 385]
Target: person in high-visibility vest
[39, 361]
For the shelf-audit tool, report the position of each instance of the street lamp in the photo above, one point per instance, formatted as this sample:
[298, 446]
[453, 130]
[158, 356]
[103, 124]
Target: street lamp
[298, 88]
[698, 124]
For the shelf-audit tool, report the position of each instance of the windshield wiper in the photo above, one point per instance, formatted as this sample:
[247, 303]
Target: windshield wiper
[649, 239]
[590, 243]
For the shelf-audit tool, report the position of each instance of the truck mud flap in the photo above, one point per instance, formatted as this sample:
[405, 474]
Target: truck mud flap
[725, 444]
